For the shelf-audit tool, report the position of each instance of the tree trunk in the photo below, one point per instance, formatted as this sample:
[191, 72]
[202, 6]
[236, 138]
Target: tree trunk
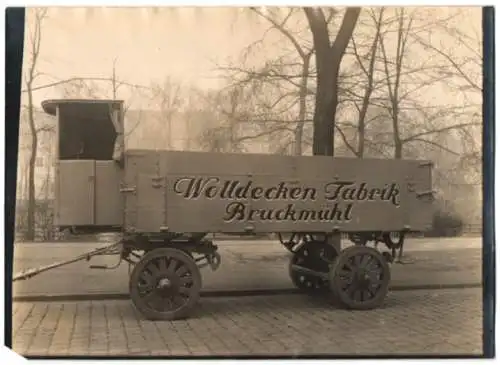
[30, 231]
[398, 142]
[324, 110]
[398, 149]
[299, 129]
[328, 59]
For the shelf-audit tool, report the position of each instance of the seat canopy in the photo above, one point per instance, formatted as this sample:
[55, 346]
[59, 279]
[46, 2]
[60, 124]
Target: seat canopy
[88, 129]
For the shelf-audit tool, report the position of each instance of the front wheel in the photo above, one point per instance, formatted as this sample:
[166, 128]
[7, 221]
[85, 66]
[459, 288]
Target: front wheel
[165, 284]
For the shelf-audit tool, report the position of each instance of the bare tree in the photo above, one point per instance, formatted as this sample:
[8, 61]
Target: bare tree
[167, 97]
[358, 87]
[411, 120]
[458, 50]
[34, 44]
[305, 53]
[223, 134]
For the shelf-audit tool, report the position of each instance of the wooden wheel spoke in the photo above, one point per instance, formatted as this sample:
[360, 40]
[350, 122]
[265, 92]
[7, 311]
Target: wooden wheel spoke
[365, 261]
[358, 295]
[348, 265]
[162, 264]
[145, 290]
[146, 277]
[164, 304]
[371, 264]
[346, 273]
[350, 289]
[178, 301]
[181, 271]
[366, 295]
[184, 290]
[372, 290]
[172, 265]
[153, 267]
[185, 280]
[149, 296]
[374, 277]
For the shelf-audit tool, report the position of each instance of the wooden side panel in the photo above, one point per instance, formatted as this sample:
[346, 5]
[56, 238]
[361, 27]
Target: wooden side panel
[144, 200]
[150, 203]
[210, 192]
[75, 194]
[108, 200]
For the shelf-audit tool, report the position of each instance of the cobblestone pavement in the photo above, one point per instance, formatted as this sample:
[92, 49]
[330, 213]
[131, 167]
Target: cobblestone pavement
[414, 322]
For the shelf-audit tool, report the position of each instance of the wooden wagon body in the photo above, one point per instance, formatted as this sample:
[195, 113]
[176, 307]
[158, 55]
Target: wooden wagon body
[195, 192]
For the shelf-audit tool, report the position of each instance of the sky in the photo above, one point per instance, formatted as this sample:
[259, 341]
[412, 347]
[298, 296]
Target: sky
[182, 43]
[149, 45]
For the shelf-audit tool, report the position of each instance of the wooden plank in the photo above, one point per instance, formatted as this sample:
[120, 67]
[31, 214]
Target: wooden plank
[75, 195]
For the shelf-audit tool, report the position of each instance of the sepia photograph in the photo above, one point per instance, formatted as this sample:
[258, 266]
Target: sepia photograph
[256, 182]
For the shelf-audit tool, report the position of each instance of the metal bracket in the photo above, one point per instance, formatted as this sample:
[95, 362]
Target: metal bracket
[250, 228]
[426, 163]
[127, 189]
[213, 260]
[426, 193]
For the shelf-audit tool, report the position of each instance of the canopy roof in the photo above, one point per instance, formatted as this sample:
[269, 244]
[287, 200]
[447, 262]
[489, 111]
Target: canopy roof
[50, 106]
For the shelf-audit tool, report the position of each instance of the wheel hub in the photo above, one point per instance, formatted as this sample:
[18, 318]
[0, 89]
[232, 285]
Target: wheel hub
[362, 279]
[167, 287]
[164, 283]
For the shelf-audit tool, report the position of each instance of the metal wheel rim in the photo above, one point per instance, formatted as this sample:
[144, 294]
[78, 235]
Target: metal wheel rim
[166, 282]
[361, 276]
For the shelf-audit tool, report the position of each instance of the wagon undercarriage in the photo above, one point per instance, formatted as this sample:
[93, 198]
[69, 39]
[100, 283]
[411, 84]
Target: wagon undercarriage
[165, 280]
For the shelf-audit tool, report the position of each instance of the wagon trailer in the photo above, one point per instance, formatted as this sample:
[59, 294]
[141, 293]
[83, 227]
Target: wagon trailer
[164, 204]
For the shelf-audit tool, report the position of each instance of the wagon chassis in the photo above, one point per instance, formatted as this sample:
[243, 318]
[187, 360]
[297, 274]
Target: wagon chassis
[165, 280]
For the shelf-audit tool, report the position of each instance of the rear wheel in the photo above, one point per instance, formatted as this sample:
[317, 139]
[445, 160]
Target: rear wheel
[360, 278]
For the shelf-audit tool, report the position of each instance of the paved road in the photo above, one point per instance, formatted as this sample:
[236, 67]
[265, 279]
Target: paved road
[250, 265]
[439, 322]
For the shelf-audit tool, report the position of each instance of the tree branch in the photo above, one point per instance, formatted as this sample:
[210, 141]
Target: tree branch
[440, 130]
[73, 79]
[435, 144]
[282, 30]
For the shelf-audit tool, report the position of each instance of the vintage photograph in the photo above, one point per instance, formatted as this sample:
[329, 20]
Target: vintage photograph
[250, 181]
